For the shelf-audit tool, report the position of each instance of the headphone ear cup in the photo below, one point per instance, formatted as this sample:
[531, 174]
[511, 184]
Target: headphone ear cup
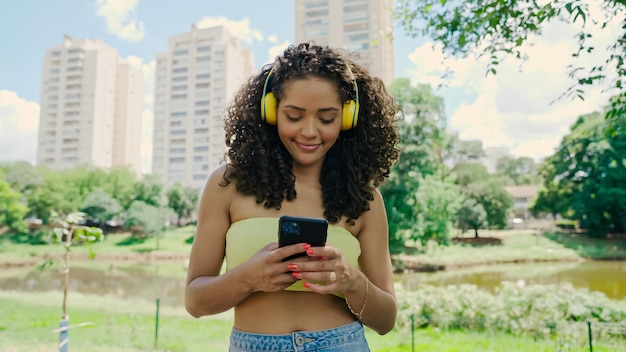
[349, 115]
[268, 108]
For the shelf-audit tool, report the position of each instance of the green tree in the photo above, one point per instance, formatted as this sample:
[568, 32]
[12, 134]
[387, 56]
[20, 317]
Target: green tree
[521, 171]
[421, 134]
[120, 184]
[150, 190]
[55, 195]
[467, 173]
[551, 198]
[472, 215]
[476, 183]
[496, 201]
[23, 177]
[501, 28]
[437, 204]
[589, 172]
[12, 210]
[100, 206]
[458, 152]
[147, 220]
[182, 200]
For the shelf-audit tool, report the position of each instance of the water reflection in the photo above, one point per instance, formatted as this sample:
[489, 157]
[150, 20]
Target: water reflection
[608, 277]
[143, 281]
[167, 280]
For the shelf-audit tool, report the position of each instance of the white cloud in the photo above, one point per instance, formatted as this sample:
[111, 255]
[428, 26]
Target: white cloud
[518, 108]
[272, 39]
[19, 122]
[148, 105]
[240, 29]
[119, 18]
[276, 50]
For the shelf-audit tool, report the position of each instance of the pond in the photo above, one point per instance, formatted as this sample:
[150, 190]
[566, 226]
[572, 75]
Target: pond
[608, 277]
[166, 281]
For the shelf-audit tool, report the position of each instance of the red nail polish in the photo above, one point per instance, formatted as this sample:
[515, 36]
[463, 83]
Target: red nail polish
[310, 252]
[292, 267]
[306, 284]
[306, 246]
[297, 275]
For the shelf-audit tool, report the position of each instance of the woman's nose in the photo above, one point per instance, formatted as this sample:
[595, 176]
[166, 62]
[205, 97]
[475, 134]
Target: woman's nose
[309, 128]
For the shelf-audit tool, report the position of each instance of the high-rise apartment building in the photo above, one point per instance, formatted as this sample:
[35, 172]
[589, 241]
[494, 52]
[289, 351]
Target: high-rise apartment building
[363, 27]
[91, 107]
[196, 78]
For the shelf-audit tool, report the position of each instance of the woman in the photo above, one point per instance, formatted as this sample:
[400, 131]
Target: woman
[311, 135]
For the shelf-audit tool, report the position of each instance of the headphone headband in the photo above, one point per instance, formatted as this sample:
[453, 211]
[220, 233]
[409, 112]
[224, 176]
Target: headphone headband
[350, 111]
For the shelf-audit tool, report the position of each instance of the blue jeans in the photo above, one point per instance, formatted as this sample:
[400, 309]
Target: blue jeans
[346, 338]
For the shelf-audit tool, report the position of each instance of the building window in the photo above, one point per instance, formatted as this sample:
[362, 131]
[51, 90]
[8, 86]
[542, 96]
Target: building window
[355, 8]
[203, 49]
[316, 13]
[316, 4]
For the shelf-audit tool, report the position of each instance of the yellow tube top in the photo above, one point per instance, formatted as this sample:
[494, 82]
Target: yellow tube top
[246, 237]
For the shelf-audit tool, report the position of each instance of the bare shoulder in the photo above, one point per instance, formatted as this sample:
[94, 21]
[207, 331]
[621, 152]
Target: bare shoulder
[216, 186]
[377, 214]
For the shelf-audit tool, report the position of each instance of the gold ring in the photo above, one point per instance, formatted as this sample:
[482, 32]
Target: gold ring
[333, 277]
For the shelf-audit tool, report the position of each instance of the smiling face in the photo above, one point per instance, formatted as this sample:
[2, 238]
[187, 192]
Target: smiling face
[309, 120]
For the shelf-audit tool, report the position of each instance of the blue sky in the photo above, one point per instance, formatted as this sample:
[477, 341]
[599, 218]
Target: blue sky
[511, 109]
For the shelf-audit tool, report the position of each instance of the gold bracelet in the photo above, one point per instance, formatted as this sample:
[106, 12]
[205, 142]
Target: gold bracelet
[359, 315]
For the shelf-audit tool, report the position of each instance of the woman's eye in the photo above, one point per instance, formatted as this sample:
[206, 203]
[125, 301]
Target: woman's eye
[293, 118]
[327, 121]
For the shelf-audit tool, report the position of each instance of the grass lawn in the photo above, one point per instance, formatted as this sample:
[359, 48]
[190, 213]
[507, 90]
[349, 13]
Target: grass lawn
[176, 242]
[606, 248]
[123, 325]
[515, 248]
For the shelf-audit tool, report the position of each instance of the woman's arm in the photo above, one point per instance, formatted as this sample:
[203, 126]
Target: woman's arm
[380, 310]
[368, 289]
[207, 291]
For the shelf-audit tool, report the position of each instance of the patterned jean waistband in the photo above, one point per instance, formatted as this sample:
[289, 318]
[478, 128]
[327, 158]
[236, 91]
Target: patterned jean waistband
[299, 340]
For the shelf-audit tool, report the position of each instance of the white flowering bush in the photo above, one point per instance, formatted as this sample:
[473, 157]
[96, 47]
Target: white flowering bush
[549, 311]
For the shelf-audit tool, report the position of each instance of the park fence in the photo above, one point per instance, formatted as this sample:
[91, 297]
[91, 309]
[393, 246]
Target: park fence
[563, 336]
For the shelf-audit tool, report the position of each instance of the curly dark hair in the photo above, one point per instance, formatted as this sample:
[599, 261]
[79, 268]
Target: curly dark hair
[359, 161]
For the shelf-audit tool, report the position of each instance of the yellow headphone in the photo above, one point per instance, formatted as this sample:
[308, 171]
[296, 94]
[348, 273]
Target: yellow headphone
[349, 114]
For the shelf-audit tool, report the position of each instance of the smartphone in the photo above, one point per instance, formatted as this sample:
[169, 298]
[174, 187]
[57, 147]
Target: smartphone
[297, 229]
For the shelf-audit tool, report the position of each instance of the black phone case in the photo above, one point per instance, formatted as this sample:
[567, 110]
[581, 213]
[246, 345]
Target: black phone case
[296, 229]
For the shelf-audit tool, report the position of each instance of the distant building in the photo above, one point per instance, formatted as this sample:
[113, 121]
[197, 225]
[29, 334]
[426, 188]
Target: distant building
[195, 80]
[523, 197]
[360, 26]
[91, 107]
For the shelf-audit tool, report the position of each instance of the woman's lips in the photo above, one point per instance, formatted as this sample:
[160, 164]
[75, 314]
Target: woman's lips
[307, 147]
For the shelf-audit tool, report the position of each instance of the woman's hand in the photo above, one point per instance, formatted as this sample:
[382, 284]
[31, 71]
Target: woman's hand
[265, 270]
[329, 266]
